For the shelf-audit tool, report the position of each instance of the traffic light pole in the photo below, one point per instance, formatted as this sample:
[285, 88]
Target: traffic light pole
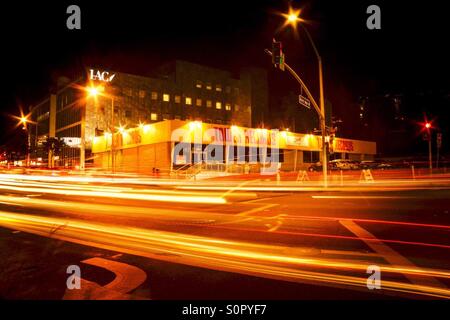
[113, 162]
[430, 156]
[322, 105]
[320, 111]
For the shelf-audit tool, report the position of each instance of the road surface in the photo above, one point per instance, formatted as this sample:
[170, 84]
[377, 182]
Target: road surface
[161, 239]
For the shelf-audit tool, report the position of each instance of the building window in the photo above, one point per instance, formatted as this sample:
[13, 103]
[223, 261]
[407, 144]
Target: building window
[227, 106]
[219, 88]
[198, 84]
[127, 113]
[198, 102]
[218, 105]
[154, 95]
[166, 97]
[227, 89]
[188, 101]
[127, 92]
[236, 107]
[177, 99]
[208, 103]
[154, 116]
[208, 86]
[236, 90]
[141, 94]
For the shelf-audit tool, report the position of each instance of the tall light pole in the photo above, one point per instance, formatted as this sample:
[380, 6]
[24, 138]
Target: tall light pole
[430, 156]
[293, 18]
[95, 92]
[24, 121]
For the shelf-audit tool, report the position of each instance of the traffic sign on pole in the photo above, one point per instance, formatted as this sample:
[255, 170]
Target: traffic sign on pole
[304, 101]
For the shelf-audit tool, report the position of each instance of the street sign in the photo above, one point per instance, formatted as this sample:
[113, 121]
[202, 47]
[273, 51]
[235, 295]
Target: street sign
[304, 101]
[439, 140]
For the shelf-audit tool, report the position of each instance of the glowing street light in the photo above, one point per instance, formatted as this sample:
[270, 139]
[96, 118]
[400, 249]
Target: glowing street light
[428, 125]
[292, 18]
[94, 91]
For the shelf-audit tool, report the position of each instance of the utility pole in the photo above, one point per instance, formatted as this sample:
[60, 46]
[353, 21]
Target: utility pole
[113, 164]
[282, 65]
[430, 156]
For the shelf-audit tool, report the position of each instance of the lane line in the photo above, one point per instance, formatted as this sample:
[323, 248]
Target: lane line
[255, 210]
[389, 254]
[362, 197]
[127, 278]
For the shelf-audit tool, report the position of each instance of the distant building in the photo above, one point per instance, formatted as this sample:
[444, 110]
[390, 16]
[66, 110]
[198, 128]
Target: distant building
[176, 91]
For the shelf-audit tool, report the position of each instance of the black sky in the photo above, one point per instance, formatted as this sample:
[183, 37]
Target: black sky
[409, 53]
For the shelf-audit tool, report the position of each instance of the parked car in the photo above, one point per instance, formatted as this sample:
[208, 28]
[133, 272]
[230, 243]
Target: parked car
[343, 164]
[316, 167]
[375, 164]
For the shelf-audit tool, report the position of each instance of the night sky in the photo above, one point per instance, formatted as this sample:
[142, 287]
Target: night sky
[408, 55]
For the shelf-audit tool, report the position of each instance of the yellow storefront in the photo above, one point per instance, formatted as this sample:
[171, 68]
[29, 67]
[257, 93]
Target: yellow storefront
[164, 146]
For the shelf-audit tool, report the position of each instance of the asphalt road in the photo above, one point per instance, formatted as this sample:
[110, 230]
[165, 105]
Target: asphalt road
[165, 241]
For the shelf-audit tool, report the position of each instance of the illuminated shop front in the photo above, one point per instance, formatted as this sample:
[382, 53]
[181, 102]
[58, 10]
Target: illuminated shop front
[175, 145]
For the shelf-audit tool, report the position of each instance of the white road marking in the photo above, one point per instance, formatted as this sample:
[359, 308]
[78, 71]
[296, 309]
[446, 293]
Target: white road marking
[389, 254]
[361, 197]
[267, 206]
[127, 279]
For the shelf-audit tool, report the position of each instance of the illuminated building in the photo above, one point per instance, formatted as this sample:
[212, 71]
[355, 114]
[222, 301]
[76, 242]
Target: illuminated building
[215, 147]
[101, 101]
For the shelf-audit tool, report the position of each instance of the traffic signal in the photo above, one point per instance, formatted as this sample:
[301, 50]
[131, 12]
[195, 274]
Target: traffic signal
[331, 141]
[277, 55]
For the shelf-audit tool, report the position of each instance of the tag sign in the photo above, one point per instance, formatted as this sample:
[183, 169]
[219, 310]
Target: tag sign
[304, 101]
[97, 75]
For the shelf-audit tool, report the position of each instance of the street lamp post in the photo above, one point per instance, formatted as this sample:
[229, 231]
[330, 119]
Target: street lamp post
[112, 136]
[96, 91]
[430, 156]
[83, 139]
[293, 18]
[25, 123]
